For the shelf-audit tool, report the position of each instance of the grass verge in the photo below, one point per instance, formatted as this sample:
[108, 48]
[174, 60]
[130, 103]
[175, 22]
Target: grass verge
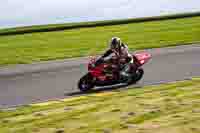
[33, 47]
[65, 26]
[172, 107]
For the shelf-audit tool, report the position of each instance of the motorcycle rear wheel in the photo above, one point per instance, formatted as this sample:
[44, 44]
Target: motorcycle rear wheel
[85, 84]
[137, 76]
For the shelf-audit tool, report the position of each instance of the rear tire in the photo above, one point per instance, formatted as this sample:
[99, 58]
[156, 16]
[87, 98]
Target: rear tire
[85, 84]
[137, 76]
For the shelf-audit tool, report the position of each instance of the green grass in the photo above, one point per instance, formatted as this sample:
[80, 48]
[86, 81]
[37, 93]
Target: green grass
[172, 107]
[42, 46]
[58, 27]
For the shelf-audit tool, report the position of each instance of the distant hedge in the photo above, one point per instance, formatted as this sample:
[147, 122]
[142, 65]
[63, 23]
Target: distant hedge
[59, 27]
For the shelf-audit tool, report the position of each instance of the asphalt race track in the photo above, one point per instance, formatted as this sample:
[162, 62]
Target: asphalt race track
[24, 84]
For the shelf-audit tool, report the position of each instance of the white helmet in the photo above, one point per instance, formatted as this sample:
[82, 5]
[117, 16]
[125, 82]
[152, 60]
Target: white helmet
[115, 43]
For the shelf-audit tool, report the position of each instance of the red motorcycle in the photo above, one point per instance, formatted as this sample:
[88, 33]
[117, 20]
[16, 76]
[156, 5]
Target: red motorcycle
[97, 75]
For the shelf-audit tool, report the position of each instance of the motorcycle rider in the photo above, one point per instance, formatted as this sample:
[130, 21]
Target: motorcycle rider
[118, 53]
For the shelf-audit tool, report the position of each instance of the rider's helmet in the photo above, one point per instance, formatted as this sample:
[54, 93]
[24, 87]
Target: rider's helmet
[115, 43]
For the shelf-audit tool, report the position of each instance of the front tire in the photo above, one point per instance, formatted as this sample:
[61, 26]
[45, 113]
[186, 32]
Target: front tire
[85, 84]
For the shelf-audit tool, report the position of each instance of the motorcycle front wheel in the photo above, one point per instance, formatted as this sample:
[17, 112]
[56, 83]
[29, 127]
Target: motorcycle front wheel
[85, 84]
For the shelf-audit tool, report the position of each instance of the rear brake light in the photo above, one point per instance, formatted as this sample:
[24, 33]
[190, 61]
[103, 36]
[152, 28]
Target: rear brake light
[142, 62]
[105, 65]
